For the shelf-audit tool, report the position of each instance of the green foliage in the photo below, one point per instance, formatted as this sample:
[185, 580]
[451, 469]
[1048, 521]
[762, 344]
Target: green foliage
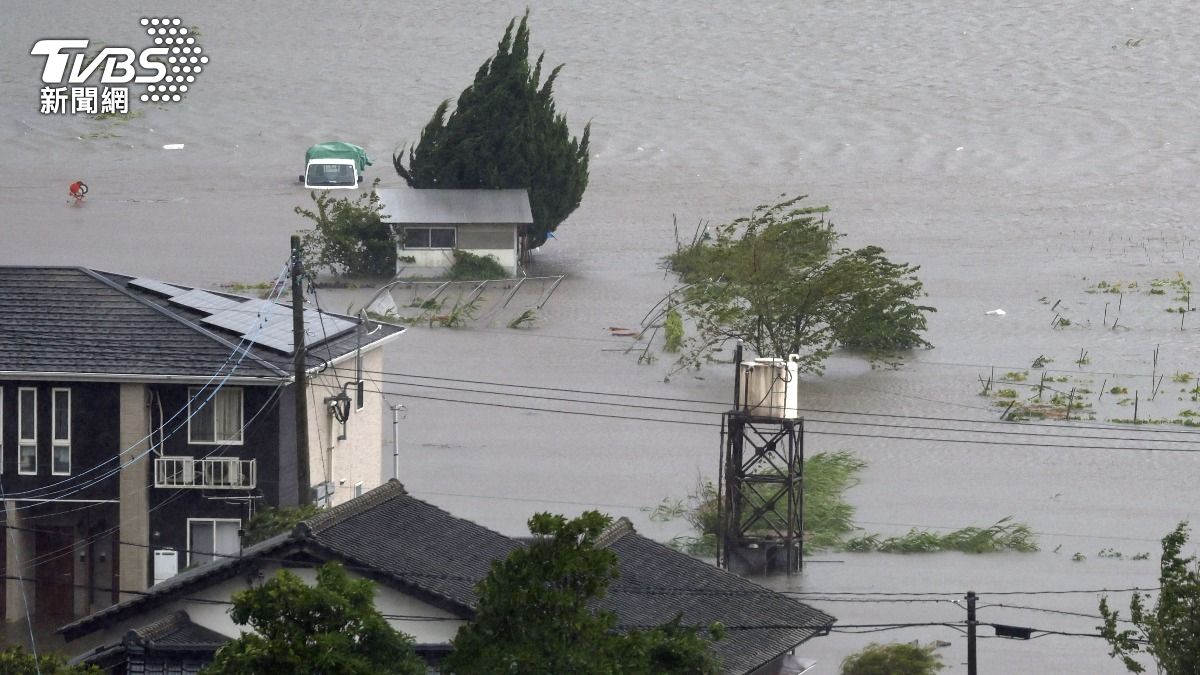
[348, 236]
[470, 267]
[673, 329]
[535, 614]
[524, 319]
[16, 661]
[274, 520]
[505, 133]
[828, 517]
[775, 280]
[1168, 632]
[1001, 536]
[330, 628]
[893, 659]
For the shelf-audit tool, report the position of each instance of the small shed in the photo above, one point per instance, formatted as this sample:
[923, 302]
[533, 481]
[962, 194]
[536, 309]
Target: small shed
[431, 224]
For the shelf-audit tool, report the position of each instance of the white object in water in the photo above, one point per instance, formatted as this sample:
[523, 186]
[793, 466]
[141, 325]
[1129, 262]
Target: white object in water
[173, 146]
[995, 312]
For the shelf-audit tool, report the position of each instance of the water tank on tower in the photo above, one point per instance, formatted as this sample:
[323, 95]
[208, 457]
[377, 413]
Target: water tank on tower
[770, 388]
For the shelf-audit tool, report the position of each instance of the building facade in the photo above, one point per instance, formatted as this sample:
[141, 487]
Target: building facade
[143, 423]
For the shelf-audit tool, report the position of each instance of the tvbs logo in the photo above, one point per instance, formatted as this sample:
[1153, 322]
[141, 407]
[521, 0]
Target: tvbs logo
[167, 69]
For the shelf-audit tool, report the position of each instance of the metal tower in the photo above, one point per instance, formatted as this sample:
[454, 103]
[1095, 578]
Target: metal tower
[760, 500]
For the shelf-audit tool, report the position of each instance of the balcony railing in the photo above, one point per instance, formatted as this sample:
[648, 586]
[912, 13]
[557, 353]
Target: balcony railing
[214, 473]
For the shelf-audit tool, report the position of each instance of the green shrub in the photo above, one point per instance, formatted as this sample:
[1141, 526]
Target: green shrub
[471, 267]
[894, 659]
[674, 331]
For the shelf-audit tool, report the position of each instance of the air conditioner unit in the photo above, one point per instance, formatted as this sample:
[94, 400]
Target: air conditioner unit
[770, 388]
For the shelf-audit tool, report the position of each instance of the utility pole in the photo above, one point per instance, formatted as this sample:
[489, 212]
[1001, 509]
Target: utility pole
[300, 365]
[396, 407]
[971, 666]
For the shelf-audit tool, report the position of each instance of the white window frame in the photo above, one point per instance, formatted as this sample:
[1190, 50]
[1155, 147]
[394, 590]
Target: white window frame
[213, 521]
[55, 441]
[429, 238]
[197, 397]
[22, 441]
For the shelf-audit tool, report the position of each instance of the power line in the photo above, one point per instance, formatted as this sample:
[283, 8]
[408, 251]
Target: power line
[814, 432]
[726, 405]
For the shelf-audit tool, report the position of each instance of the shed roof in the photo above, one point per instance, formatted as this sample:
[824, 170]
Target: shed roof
[406, 206]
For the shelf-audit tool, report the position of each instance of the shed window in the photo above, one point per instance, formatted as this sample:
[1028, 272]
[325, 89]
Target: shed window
[430, 237]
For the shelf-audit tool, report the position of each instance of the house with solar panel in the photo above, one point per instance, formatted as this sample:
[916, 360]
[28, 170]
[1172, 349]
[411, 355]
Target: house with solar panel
[143, 422]
[430, 225]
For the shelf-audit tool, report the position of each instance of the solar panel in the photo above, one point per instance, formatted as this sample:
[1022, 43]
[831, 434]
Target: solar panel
[247, 317]
[203, 301]
[155, 286]
[270, 324]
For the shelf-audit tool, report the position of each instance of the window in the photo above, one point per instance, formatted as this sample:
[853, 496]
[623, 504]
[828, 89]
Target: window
[27, 430]
[429, 237]
[209, 538]
[60, 454]
[215, 418]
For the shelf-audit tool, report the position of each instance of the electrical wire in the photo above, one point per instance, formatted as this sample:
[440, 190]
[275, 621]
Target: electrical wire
[247, 341]
[725, 405]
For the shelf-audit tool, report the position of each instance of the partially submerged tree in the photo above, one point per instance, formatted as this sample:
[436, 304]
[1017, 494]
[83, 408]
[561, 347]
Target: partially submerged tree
[534, 614]
[893, 659]
[332, 627]
[775, 280]
[1168, 632]
[504, 132]
[348, 237]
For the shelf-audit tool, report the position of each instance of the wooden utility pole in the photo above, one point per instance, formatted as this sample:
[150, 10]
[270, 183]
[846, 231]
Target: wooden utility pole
[303, 481]
[972, 668]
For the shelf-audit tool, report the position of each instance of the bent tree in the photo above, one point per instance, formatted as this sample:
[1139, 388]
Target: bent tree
[776, 280]
[505, 132]
[1169, 632]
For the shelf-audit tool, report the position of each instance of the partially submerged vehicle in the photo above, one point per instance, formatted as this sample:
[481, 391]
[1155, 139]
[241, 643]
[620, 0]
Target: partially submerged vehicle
[334, 165]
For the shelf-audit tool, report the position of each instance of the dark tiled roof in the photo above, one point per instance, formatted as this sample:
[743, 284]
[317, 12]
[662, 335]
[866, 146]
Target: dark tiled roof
[76, 321]
[172, 644]
[657, 582]
[412, 541]
[401, 540]
[176, 631]
[219, 569]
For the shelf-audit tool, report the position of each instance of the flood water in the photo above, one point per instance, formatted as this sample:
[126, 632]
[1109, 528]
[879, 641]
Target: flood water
[1019, 153]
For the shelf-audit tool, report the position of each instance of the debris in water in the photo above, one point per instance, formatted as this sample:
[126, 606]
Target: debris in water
[995, 312]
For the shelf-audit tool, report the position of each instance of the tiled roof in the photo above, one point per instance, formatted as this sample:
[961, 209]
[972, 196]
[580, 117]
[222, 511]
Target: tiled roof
[414, 542]
[432, 554]
[176, 631]
[79, 322]
[656, 583]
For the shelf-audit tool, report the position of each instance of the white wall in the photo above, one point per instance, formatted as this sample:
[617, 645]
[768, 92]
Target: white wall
[206, 607]
[357, 458]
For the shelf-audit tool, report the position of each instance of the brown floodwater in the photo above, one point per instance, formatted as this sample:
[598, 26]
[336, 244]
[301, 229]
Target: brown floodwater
[1020, 154]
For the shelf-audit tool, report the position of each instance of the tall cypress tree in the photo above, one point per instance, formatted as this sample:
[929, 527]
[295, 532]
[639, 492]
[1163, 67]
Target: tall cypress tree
[504, 133]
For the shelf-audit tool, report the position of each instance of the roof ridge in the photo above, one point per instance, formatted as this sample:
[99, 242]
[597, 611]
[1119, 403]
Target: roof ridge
[178, 319]
[617, 529]
[389, 490]
[157, 629]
